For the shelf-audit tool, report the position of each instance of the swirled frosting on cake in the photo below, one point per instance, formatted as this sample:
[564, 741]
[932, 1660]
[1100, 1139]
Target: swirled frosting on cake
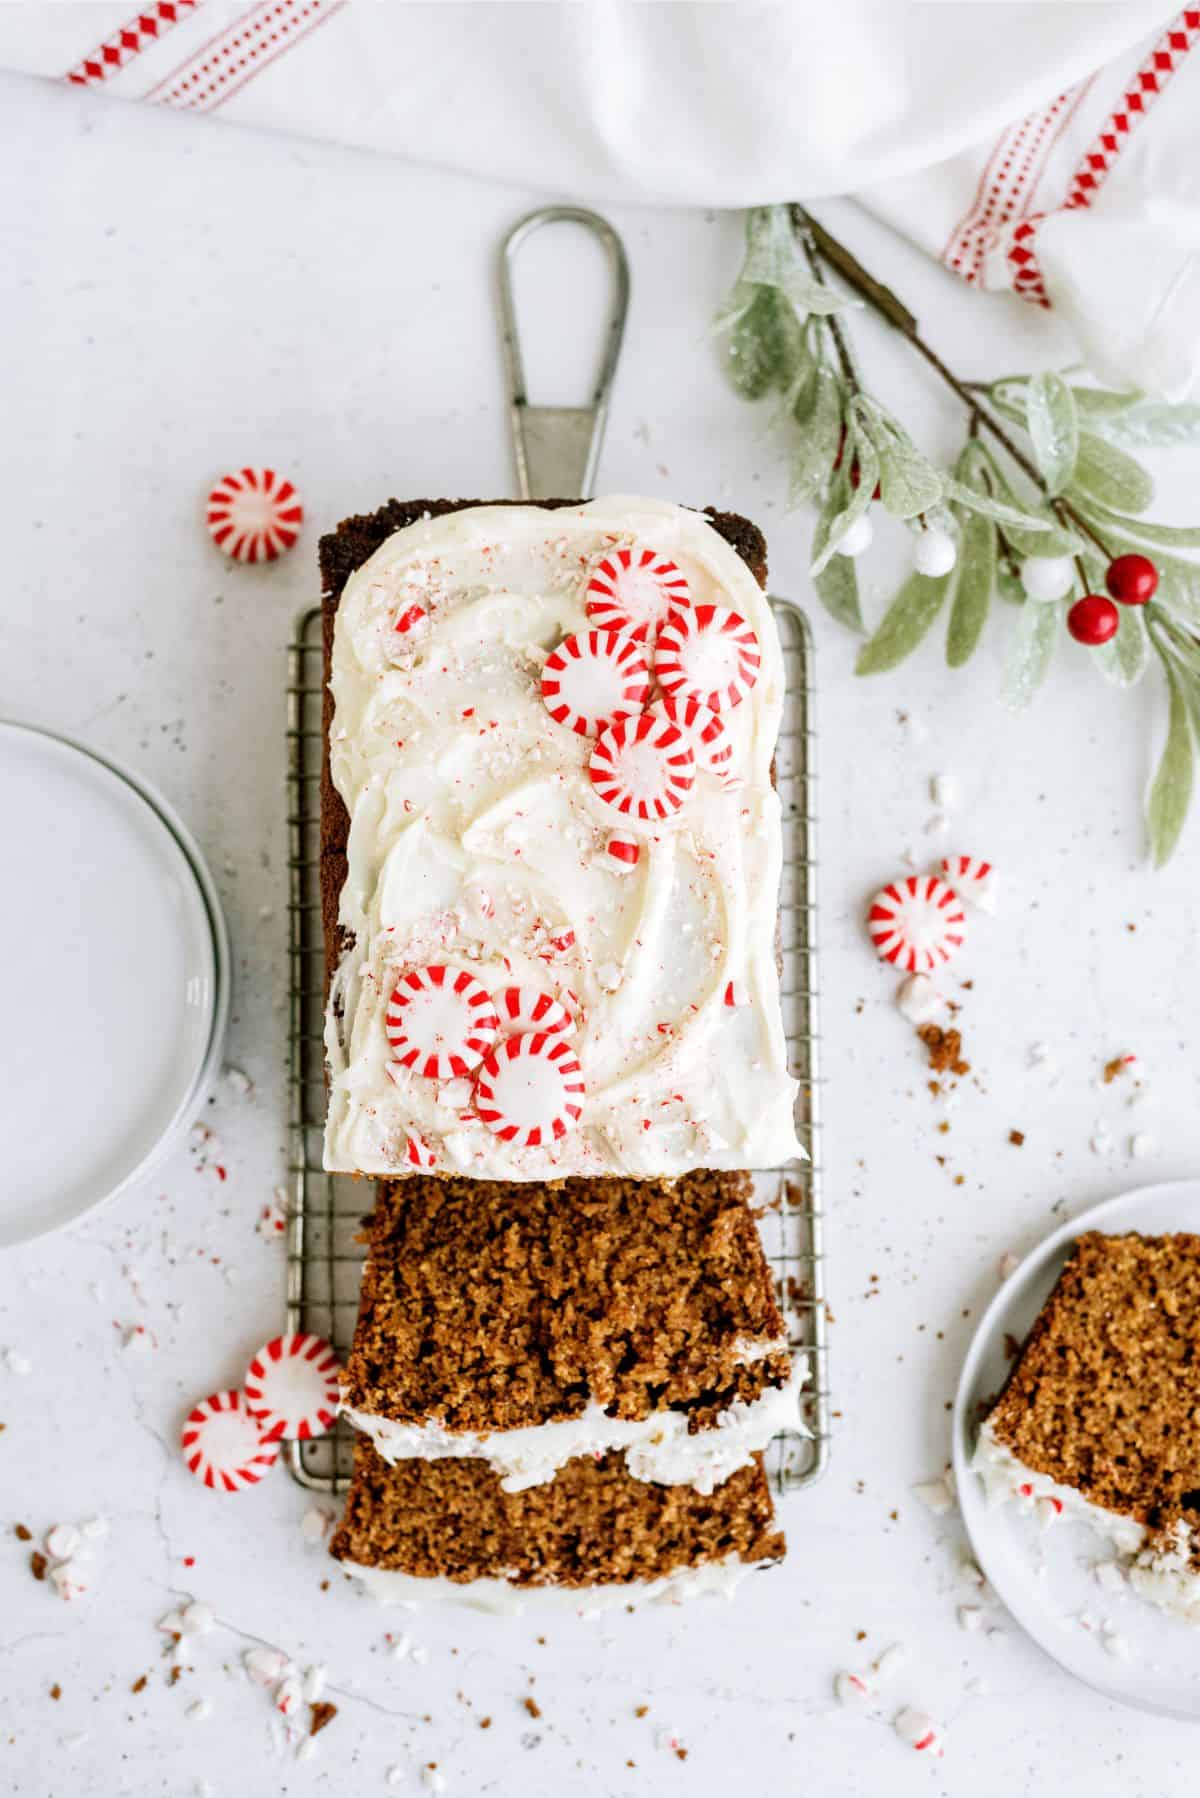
[478, 843]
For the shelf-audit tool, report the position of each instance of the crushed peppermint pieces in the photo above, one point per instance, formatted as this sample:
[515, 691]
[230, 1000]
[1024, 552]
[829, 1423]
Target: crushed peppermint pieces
[918, 1731]
[852, 1691]
[936, 1495]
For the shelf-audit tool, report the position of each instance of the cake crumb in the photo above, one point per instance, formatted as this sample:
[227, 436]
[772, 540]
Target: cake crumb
[38, 1564]
[944, 1048]
[532, 1706]
[56, 1691]
[322, 1714]
[139, 1684]
[485, 1723]
[21, 1533]
[1016, 1138]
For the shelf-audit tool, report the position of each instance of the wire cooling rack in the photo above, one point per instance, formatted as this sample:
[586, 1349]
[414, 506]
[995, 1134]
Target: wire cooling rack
[325, 1246]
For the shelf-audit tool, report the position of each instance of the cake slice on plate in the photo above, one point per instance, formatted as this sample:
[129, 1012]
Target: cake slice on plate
[591, 1536]
[551, 843]
[525, 1324]
[1099, 1419]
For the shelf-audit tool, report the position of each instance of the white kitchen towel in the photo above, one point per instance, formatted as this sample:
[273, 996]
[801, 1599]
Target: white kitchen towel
[1088, 202]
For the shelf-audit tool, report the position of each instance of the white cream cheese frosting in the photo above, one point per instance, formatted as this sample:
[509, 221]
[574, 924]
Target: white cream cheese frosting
[710, 1579]
[1007, 1480]
[657, 1448]
[1161, 1573]
[478, 841]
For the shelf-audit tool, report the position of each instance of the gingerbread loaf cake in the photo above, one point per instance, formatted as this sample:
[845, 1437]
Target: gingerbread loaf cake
[552, 843]
[426, 1529]
[1099, 1419]
[525, 1325]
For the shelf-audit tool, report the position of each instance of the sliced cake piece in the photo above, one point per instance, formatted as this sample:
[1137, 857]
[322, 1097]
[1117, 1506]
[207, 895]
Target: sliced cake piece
[526, 1324]
[447, 1529]
[551, 843]
[1099, 1419]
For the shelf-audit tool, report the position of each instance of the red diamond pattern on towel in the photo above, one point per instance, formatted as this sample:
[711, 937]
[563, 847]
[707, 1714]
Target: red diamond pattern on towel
[1094, 168]
[125, 44]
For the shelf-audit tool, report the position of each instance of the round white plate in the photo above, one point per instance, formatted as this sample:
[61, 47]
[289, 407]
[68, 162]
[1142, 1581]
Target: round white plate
[116, 980]
[1044, 1576]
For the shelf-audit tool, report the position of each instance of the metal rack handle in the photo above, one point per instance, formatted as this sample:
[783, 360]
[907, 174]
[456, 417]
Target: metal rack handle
[557, 448]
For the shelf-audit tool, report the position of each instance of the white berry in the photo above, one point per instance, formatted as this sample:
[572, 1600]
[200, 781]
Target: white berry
[857, 538]
[1047, 577]
[936, 554]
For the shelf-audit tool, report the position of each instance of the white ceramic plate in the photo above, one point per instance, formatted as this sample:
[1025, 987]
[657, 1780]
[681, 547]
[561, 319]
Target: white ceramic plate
[115, 981]
[1045, 1577]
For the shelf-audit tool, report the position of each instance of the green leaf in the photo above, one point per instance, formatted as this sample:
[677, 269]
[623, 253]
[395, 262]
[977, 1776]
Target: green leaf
[837, 584]
[974, 578]
[1053, 541]
[1178, 586]
[1049, 539]
[1154, 425]
[1099, 403]
[1105, 473]
[1030, 648]
[741, 297]
[767, 347]
[1171, 792]
[820, 432]
[1170, 536]
[1008, 582]
[858, 449]
[773, 259]
[770, 245]
[1004, 514]
[1053, 428]
[909, 483]
[904, 624]
[1124, 658]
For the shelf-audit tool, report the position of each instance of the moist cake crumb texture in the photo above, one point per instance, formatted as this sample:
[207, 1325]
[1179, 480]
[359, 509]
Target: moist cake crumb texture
[1105, 1396]
[492, 1306]
[591, 1525]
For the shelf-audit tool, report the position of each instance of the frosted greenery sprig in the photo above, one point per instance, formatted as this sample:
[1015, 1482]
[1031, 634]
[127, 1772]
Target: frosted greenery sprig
[1041, 510]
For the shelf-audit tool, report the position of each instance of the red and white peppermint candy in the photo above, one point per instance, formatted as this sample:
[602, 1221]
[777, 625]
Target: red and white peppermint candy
[528, 1008]
[418, 1153]
[253, 515]
[635, 590]
[223, 1443]
[709, 654]
[594, 677]
[292, 1388]
[440, 1021]
[642, 767]
[623, 852]
[530, 1089]
[917, 922]
[410, 619]
[704, 729]
[972, 879]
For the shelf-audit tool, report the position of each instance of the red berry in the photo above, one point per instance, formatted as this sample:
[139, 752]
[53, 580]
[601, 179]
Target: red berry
[1132, 579]
[1093, 620]
[855, 475]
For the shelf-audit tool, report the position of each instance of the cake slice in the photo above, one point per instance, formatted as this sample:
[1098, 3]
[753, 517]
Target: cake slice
[1099, 1419]
[591, 1536]
[524, 1324]
[549, 796]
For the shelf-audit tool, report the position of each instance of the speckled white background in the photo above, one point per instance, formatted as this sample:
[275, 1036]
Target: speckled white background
[179, 297]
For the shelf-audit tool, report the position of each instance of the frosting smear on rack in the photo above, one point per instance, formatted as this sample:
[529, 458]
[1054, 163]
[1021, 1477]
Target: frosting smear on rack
[553, 733]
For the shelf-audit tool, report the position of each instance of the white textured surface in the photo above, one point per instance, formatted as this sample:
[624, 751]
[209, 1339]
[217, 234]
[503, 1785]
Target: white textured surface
[184, 298]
